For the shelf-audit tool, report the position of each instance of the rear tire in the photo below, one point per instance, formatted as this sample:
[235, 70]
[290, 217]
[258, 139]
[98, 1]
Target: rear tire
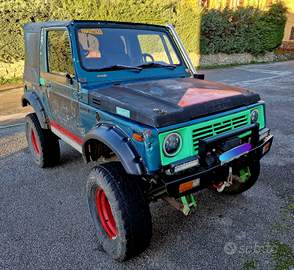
[119, 211]
[238, 187]
[43, 144]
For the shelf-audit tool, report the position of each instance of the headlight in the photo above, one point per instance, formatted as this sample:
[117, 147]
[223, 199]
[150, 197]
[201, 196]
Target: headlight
[254, 115]
[172, 144]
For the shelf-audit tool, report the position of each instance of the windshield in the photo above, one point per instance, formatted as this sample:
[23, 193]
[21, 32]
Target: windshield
[100, 48]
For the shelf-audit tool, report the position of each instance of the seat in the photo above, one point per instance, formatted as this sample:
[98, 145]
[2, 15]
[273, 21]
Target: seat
[90, 53]
[114, 51]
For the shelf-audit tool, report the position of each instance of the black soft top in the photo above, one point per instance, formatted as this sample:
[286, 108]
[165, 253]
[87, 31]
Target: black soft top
[32, 32]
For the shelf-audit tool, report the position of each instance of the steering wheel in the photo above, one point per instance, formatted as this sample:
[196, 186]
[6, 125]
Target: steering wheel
[144, 57]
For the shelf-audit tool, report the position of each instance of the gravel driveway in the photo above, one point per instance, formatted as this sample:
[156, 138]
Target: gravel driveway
[44, 220]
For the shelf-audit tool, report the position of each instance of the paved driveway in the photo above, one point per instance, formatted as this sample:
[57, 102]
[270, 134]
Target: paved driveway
[44, 221]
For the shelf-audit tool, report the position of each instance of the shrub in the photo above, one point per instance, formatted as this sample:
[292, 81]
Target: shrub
[229, 31]
[15, 13]
[11, 80]
[243, 30]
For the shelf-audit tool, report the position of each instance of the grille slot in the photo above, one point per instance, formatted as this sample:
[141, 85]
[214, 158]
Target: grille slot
[96, 101]
[217, 127]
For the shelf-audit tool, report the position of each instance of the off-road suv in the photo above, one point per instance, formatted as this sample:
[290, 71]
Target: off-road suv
[128, 97]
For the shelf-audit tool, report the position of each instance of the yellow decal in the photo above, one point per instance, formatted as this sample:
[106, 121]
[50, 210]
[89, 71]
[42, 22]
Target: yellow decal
[92, 31]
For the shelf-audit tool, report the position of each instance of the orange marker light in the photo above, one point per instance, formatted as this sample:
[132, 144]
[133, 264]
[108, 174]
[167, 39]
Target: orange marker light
[186, 186]
[138, 137]
[265, 148]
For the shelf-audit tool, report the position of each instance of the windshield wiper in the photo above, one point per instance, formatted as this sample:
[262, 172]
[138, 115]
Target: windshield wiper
[154, 64]
[115, 67]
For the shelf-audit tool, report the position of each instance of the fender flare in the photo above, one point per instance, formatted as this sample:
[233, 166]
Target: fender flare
[33, 99]
[120, 143]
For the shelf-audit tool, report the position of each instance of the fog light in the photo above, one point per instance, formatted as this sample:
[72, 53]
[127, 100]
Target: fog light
[186, 165]
[263, 133]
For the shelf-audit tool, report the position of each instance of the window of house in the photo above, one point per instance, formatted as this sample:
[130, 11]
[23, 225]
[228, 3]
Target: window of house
[206, 3]
[292, 34]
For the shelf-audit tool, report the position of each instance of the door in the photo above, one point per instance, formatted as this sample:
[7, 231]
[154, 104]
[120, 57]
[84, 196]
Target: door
[61, 86]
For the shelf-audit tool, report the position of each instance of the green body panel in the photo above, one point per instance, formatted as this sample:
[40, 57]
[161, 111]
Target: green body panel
[207, 129]
[42, 81]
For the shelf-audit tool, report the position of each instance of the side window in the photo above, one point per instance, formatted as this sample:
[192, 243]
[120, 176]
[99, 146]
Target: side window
[59, 53]
[162, 52]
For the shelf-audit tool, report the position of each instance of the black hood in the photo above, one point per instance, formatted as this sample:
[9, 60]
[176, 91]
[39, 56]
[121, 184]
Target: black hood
[166, 102]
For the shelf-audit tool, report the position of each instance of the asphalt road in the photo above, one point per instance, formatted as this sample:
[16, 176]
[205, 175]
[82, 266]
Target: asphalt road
[44, 220]
[10, 100]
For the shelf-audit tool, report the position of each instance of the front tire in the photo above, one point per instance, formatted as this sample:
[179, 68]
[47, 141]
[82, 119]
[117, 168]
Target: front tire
[43, 144]
[119, 211]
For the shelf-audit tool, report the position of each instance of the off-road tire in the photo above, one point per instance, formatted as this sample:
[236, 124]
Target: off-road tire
[238, 187]
[43, 144]
[130, 211]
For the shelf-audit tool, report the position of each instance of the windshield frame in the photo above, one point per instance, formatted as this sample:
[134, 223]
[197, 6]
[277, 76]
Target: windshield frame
[149, 28]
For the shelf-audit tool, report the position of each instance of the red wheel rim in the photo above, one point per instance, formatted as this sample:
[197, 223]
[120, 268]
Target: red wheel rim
[34, 142]
[105, 214]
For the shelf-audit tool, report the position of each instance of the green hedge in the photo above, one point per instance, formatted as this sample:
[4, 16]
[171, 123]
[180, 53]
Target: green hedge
[243, 30]
[229, 31]
[15, 13]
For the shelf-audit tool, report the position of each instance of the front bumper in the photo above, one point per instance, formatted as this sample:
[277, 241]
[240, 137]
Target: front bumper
[207, 177]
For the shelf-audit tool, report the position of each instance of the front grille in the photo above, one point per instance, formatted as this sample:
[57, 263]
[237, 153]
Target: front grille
[218, 126]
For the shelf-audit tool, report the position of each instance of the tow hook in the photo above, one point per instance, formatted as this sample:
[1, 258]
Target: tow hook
[221, 187]
[185, 207]
[228, 183]
[244, 175]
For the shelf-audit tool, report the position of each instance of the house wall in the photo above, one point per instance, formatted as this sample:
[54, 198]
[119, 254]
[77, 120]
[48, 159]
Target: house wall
[288, 41]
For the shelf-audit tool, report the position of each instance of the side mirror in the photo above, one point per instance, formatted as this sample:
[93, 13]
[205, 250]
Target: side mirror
[199, 76]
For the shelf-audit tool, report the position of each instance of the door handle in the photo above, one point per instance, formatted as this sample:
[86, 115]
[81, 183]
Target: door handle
[48, 84]
[77, 94]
